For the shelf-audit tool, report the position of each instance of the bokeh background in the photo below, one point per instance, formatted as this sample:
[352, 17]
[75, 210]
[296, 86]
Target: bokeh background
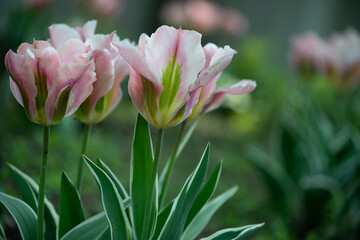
[292, 146]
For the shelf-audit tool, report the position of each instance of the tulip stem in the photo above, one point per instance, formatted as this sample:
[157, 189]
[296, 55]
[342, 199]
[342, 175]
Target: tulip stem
[151, 189]
[171, 165]
[87, 129]
[41, 197]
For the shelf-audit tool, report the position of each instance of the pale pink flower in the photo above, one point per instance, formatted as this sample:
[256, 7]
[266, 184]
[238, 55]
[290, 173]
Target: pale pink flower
[164, 69]
[110, 69]
[208, 98]
[205, 16]
[50, 83]
[309, 53]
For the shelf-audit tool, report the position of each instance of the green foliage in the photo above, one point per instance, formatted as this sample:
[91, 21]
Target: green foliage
[24, 216]
[71, 210]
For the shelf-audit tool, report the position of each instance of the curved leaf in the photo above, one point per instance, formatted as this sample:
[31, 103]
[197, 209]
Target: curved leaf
[112, 203]
[240, 233]
[91, 228]
[71, 210]
[205, 193]
[2, 232]
[24, 216]
[141, 166]
[203, 217]
[27, 185]
[174, 225]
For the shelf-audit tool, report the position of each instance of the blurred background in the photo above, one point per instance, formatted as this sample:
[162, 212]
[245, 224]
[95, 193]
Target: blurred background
[292, 146]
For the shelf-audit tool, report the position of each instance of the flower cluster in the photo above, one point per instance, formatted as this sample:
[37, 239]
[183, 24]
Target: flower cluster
[172, 77]
[337, 58]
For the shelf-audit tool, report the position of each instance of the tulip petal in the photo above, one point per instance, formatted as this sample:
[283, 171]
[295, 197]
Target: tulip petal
[104, 69]
[242, 87]
[88, 30]
[182, 45]
[99, 41]
[16, 92]
[74, 50]
[134, 57]
[60, 33]
[143, 41]
[48, 64]
[20, 72]
[219, 61]
[82, 89]
[66, 78]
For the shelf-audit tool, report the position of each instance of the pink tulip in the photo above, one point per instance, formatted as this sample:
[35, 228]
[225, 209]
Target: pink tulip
[208, 97]
[164, 69]
[110, 69]
[50, 83]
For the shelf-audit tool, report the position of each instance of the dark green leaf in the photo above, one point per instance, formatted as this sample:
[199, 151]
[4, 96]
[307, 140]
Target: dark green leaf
[186, 138]
[24, 216]
[119, 186]
[161, 219]
[50, 215]
[105, 235]
[2, 232]
[174, 225]
[203, 217]
[240, 233]
[91, 228]
[141, 167]
[205, 193]
[71, 210]
[112, 203]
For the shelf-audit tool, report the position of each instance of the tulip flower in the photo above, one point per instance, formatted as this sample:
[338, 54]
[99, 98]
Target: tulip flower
[208, 97]
[164, 69]
[50, 83]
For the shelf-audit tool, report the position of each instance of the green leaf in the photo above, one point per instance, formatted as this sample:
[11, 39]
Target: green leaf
[141, 166]
[204, 216]
[2, 232]
[50, 215]
[24, 216]
[123, 194]
[174, 225]
[112, 203]
[71, 210]
[105, 235]
[91, 228]
[161, 219]
[240, 233]
[205, 193]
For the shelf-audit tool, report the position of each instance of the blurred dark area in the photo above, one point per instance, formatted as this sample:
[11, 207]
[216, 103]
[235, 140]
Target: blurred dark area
[292, 146]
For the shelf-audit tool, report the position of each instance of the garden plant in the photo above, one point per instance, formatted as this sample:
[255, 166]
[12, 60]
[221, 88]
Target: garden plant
[172, 81]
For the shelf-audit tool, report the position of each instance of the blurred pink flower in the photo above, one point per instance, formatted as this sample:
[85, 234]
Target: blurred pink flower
[105, 8]
[207, 97]
[50, 83]
[165, 68]
[309, 53]
[110, 69]
[337, 58]
[205, 16]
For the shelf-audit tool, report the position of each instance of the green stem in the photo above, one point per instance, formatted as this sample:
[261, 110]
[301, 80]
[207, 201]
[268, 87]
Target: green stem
[41, 198]
[87, 129]
[152, 182]
[171, 165]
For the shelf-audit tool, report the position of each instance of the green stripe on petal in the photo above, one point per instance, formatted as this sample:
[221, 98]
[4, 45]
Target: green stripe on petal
[170, 82]
[61, 106]
[42, 93]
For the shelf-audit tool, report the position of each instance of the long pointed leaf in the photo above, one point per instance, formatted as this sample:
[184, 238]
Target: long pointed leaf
[112, 203]
[50, 214]
[240, 233]
[204, 216]
[2, 232]
[205, 193]
[91, 228]
[71, 210]
[24, 216]
[174, 225]
[141, 166]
